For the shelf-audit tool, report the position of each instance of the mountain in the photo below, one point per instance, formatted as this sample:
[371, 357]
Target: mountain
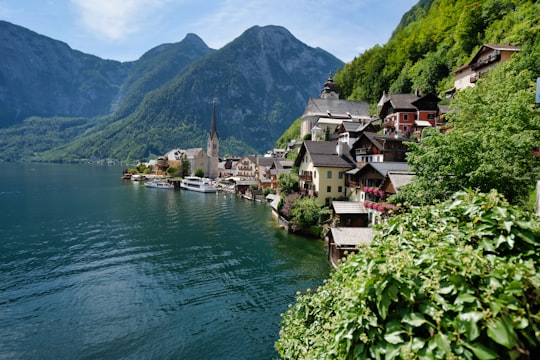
[261, 82]
[157, 67]
[45, 77]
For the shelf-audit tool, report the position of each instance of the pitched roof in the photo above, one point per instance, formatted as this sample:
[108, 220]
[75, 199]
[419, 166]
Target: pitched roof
[384, 167]
[349, 207]
[324, 154]
[354, 126]
[280, 164]
[411, 102]
[398, 179]
[352, 236]
[485, 48]
[379, 139]
[337, 108]
[261, 160]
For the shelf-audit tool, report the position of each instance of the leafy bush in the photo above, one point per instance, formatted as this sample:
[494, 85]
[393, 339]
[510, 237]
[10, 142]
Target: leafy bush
[458, 279]
[199, 172]
[288, 183]
[307, 213]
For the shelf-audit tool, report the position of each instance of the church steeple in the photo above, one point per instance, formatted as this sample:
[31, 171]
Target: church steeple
[213, 131]
[330, 89]
[212, 148]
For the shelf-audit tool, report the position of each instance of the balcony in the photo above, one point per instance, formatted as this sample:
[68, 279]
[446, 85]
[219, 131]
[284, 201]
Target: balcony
[486, 61]
[364, 151]
[306, 176]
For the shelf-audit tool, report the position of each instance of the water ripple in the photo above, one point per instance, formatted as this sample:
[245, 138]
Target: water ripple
[132, 273]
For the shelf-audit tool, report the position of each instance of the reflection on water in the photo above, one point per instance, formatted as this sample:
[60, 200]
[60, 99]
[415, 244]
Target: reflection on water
[93, 267]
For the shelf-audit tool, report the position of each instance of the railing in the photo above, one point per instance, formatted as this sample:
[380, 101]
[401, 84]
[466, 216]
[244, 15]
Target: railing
[488, 60]
[364, 151]
[306, 177]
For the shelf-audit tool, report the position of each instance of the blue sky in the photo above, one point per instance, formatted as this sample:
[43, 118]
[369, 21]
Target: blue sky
[125, 29]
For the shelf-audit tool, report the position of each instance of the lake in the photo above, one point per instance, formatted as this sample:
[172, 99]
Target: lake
[95, 267]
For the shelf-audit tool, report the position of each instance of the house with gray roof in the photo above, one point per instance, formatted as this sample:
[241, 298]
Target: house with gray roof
[404, 114]
[343, 241]
[373, 147]
[322, 166]
[394, 180]
[350, 213]
[329, 111]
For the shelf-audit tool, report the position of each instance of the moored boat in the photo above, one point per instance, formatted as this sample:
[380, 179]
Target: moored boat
[196, 183]
[159, 184]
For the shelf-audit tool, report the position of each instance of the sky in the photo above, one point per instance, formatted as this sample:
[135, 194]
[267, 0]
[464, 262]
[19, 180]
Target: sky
[124, 30]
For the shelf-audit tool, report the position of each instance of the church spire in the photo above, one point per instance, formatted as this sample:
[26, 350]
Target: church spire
[213, 130]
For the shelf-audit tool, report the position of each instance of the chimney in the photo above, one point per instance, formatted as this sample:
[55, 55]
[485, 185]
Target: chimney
[341, 146]
[416, 92]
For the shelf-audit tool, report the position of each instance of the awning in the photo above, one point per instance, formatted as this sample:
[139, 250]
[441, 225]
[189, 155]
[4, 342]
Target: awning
[423, 123]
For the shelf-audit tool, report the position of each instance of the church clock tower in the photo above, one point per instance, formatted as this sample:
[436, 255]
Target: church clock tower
[213, 146]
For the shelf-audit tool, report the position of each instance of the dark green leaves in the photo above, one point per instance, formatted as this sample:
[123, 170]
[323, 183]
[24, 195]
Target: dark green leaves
[442, 281]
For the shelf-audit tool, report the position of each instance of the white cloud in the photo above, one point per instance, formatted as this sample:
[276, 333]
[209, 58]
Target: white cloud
[116, 19]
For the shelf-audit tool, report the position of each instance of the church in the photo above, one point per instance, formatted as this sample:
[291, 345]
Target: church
[328, 112]
[199, 159]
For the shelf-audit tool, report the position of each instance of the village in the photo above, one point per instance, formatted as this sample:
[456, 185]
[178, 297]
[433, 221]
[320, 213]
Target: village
[348, 160]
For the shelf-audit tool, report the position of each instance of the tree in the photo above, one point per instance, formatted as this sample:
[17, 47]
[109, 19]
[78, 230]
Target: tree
[458, 279]
[185, 166]
[288, 183]
[307, 212]
[427, 74]
[469, 28]
[493, 129]
[199, 172]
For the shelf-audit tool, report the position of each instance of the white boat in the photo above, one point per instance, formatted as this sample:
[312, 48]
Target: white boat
[199, 184]
[159, 184]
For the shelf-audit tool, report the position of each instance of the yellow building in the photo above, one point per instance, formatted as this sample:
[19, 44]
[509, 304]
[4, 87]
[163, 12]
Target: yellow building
[322, 166]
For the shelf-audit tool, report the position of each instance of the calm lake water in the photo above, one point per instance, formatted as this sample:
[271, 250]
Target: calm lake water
[92, 267]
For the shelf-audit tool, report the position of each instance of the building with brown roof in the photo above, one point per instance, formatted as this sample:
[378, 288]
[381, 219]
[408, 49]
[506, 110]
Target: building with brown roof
[489, 56]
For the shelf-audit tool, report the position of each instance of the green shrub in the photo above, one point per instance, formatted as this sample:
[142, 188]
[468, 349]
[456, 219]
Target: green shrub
[458, 279]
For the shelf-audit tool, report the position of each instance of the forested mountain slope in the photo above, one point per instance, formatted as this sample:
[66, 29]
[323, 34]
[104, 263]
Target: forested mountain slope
[433, 38]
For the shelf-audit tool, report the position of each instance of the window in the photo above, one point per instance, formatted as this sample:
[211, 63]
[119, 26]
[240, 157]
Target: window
[340, 174]
[340, 189]
[329, 174]
[328, 188]
[406, 117]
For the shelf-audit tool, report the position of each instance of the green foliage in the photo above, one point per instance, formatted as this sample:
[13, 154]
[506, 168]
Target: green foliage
[185, 166]
[288, 183]
[199, 172]
[429, 72]
[458, 279]
[35, 135]
[494, 128]
[469, 29]
[433, 38]
[307, 213]
[292, 133]
[173, 171]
